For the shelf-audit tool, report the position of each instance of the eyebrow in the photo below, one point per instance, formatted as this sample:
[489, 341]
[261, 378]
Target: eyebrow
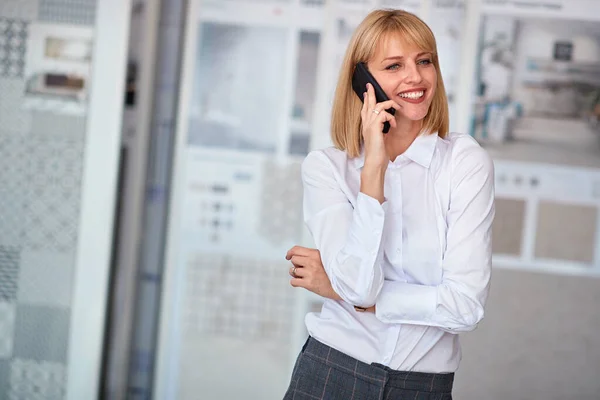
[402, 57]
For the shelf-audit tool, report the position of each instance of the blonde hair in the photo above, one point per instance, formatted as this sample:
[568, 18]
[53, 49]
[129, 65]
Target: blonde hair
[345, 117]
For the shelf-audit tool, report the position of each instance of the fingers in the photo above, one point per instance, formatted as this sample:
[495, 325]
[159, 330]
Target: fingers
[378, 120]
[305, 261]
[371, 101]
[297, 282]
[386, 116]
[301, 261]
[296, 250]
[384, 105]
[373, 113]
[297, 272]
[301, 251]
[371, 97]
[392, 120]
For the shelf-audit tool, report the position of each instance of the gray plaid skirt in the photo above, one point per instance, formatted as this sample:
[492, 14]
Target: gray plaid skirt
[324, 373]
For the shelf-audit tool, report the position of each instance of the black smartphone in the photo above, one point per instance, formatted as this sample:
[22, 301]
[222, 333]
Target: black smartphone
[360, 78]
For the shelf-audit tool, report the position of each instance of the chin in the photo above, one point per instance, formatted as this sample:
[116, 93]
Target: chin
[415, 112]
[416, 115]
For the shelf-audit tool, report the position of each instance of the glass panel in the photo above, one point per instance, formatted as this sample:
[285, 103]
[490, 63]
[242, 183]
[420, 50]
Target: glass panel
[45, 58]
[241, 208]
[236, 100]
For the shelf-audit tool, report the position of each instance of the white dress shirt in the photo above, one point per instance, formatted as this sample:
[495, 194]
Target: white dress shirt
[423, 257]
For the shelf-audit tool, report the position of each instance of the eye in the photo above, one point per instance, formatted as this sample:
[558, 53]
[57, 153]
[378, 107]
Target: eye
[393, 67]
[425, 61]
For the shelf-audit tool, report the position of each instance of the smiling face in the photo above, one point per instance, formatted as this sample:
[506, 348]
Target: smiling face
[407, 75]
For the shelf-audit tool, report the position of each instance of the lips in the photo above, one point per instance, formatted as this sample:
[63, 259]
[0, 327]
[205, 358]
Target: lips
[414, 96]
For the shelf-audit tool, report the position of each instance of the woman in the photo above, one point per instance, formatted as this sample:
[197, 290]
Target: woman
[402, 225]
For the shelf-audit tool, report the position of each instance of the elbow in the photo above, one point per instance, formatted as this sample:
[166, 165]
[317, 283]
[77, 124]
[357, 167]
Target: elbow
[359, 284]
[366, 297]
[465, 311]
[362, 295]
[466, 323]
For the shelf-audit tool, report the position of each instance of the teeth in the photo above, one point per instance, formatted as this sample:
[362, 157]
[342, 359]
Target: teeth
[413, 95]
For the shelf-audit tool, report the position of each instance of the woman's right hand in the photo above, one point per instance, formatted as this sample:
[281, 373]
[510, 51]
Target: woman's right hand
[373, 117]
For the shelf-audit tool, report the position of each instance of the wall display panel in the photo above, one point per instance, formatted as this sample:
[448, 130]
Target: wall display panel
[53, 252]
[536, 97]
[245, 125]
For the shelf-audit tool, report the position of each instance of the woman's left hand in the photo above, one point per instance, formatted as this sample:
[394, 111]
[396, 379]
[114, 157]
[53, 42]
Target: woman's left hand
[308, 272]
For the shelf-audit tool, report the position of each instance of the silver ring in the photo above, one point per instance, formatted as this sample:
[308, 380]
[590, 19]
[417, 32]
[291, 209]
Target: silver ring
[376, 112]
[294, 271]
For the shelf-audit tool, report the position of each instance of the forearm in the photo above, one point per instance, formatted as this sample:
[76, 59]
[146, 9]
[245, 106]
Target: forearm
[446, 306]
[355, 269]
[348, 231]
[372, 182]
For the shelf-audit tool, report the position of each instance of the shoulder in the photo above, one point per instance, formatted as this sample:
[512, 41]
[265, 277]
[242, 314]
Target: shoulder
[466, 153]
[325, 161]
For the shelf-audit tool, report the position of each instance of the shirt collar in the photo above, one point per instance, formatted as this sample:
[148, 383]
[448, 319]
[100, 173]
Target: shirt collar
[420, 151]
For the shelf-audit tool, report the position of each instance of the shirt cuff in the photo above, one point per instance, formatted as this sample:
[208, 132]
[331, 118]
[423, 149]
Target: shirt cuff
[401, 302]
[367, 227]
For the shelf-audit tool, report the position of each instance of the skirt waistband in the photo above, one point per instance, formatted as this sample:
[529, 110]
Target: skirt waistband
[418, 381]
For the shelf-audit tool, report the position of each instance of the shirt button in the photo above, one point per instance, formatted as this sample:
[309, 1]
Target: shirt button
[398, 251]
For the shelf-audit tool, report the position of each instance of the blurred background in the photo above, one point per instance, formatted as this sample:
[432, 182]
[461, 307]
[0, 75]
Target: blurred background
[149, 189]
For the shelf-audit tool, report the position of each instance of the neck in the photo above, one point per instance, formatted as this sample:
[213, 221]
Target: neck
[400, 138]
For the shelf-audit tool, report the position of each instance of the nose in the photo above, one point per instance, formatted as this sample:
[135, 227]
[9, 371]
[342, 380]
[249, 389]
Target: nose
[413, 75]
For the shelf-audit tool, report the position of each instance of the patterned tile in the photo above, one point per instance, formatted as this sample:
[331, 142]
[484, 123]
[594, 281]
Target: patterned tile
[7, 329]
[33, 380]
[41, 333]
[76, 12]
[13, 188]
[46, 278]
[13, 117]
[9, 272]
[22, 9]
[57, 125]
[238, 297]
[51, 218]
[281, 204]
[13, 159]
[13, 40]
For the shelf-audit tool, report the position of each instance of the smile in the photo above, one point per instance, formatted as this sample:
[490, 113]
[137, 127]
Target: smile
[413, 95]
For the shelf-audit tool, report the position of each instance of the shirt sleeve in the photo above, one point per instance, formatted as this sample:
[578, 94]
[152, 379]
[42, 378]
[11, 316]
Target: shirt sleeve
[457, 303]
[348, 238]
